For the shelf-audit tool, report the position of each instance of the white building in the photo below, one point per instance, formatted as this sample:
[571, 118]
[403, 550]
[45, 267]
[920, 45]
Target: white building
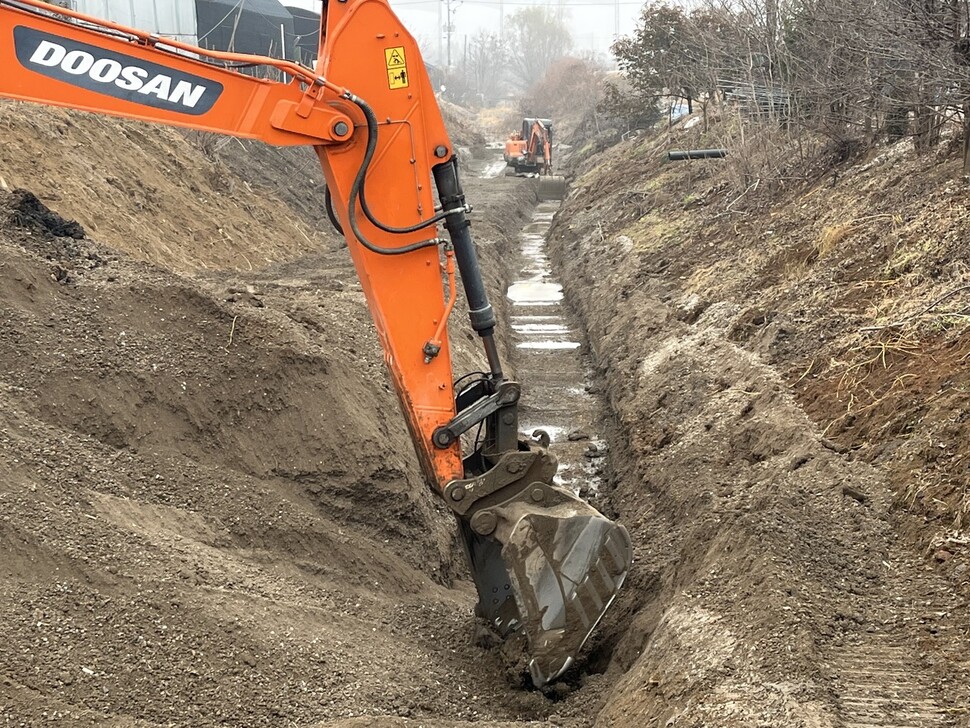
[169, 18]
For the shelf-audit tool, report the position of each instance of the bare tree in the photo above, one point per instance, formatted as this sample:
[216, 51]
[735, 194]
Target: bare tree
[485, 62]
[537, 38]
[851, 71]
[571, 89]
[478, 77]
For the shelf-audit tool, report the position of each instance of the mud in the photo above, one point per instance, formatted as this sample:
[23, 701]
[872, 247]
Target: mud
[550, 360]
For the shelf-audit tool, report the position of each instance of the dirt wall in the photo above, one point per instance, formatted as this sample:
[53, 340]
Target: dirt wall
[134, 186]
[211, 509]
[771, 584]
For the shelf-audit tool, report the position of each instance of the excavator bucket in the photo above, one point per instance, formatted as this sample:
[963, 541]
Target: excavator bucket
[549, 572]
[552, 187]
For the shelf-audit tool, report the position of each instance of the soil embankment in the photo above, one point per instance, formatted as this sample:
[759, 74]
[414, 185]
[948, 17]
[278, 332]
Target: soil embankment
[211, 509]
[774, 582]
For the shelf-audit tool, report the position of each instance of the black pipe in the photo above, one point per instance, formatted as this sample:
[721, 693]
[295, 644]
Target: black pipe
[679, 156]
[456, 223]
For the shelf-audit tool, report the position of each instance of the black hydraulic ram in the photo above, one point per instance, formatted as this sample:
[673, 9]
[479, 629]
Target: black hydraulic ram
[497, 403]
[679, 156]
[479, 309]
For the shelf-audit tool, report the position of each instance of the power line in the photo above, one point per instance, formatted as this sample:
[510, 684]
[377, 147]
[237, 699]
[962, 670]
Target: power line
[237, 6]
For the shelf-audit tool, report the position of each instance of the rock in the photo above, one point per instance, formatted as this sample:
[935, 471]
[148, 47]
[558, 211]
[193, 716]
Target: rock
[855, 494]
[592, 451]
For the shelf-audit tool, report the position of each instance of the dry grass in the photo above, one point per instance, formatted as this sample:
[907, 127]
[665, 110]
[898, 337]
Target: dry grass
[862, 360]
[832, 237]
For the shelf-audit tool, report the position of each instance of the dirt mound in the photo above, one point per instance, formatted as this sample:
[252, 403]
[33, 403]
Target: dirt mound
[211, 509]
[176, 462]
[164, 196]
[23, 210]
[771, 585]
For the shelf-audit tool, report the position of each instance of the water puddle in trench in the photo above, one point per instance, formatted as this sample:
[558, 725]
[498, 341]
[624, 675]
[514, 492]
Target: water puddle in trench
[493, 169]
[550, 364]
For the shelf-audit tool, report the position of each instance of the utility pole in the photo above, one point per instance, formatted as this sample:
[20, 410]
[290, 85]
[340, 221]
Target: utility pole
[449, 26]
[440, 28]
[449, 29]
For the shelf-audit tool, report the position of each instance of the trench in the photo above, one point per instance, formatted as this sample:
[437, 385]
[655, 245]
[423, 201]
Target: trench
[550, 360]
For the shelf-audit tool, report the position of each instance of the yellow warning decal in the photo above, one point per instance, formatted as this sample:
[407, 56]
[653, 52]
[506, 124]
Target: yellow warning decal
[397, 67]
[397, 79]
[394, 57]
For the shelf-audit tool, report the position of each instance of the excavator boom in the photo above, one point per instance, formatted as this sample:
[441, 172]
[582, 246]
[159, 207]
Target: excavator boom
[546, 564]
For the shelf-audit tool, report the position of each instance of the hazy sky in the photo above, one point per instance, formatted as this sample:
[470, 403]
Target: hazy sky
[591, 22]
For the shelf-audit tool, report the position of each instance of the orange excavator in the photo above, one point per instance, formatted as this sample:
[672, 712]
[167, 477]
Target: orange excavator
[546, 564]
[529, 153]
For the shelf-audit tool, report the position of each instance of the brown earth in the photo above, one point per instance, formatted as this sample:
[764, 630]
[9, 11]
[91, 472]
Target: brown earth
[212, 513]
[768, 446]
[211, 509]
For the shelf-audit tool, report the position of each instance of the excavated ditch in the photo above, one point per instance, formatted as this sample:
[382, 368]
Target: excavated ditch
[550, 361]
[212, 513]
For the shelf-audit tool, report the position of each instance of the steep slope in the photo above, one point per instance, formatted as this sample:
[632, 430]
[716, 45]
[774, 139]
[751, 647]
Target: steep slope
[778, 581]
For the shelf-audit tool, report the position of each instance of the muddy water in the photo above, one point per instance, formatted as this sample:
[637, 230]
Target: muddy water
[550, 364]
[493, 169]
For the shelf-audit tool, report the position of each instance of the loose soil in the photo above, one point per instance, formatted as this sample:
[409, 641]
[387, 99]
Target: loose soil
[211, 510]
[212, 515]
[777, 580]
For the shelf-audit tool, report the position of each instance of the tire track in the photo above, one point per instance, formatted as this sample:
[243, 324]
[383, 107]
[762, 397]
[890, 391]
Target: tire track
[881, 686]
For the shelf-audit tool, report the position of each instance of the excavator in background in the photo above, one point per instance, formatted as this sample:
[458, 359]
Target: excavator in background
[529, 153]
[546, 564]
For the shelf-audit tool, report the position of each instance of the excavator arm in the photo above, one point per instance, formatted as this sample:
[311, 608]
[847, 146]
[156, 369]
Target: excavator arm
[546, 564]
[538, 132]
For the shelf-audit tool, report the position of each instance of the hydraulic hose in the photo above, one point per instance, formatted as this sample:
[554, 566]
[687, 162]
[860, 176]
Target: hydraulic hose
[371, 119]
[357, 188]
[328, 203]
